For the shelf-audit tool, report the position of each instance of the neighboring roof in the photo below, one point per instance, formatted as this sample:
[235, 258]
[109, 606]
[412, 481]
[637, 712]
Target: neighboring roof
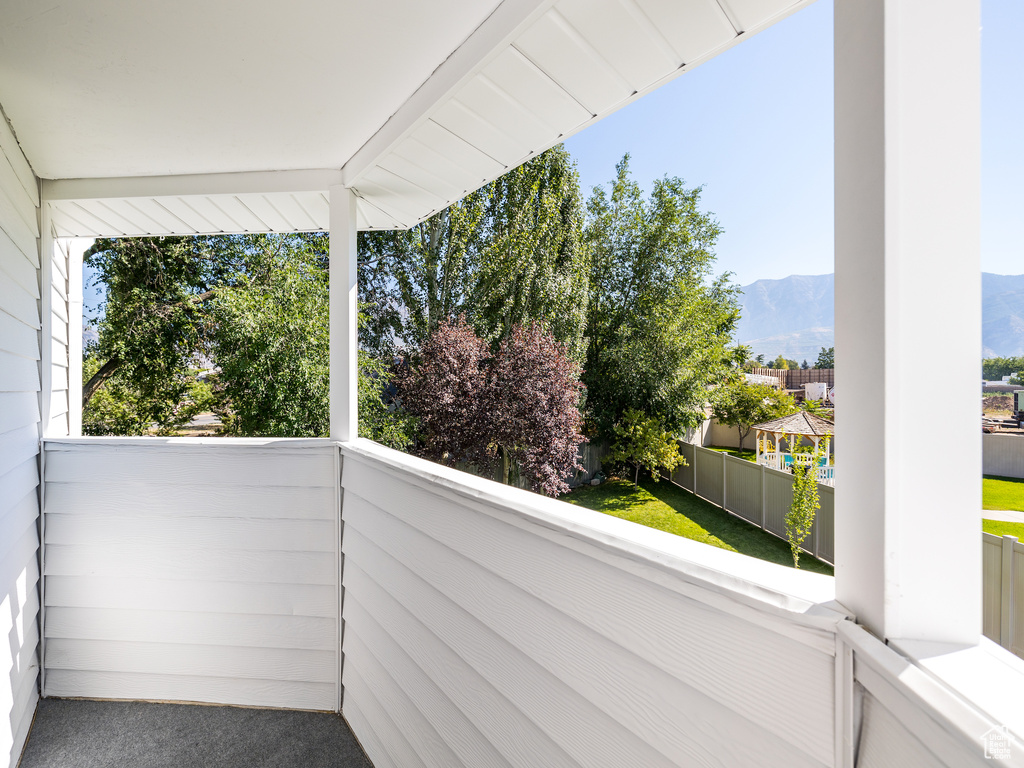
[411, 104]
[800, 423]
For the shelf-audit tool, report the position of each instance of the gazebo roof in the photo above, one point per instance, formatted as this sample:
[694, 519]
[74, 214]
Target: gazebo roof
[799, 423]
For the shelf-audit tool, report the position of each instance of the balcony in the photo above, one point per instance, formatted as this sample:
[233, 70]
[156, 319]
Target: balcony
[474, 624]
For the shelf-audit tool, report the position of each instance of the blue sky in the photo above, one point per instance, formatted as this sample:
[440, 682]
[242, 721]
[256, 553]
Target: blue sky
[753, 126]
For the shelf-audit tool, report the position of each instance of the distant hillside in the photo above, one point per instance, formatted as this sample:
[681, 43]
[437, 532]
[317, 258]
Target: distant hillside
[1002, 313]
[795, 316]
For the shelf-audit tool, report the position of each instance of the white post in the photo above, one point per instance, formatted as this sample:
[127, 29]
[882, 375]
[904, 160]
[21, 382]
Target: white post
[343, 311]
[908, 294]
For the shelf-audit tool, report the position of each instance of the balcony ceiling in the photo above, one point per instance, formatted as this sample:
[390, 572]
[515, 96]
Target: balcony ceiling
[418, 102]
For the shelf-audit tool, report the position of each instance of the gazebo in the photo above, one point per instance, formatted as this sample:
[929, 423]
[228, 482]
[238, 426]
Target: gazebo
[793, 429]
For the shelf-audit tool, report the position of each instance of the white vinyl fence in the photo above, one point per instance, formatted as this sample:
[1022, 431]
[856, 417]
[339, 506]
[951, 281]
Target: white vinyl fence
[1002, 455]
[1003, 591]
[757, 494]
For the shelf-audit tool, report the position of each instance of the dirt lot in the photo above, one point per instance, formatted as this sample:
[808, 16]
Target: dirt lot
[996, 405]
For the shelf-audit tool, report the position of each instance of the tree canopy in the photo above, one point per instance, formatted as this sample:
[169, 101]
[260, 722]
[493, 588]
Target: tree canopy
[509, 253]
[741, 405]
[517, 408]
[658, 324]
[253, 308]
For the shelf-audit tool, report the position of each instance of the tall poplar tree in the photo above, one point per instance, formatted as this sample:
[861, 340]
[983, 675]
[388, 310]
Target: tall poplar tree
[658, 323]
[509, 253]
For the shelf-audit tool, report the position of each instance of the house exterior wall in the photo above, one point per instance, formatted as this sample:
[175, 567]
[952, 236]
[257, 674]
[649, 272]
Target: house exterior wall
[489, 626]
[19, 445]
[58, 328]
[192, 571]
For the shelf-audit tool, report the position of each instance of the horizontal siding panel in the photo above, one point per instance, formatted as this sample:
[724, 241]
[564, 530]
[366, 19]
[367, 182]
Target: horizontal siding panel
[24, 201]
[59, 402]
[17, 447]
[10, 151]
[18, 409]
[122, 497]
[17, 519]
[191, 660]
[142, 594]
[186, 531]
[18, 374]
[15, 300]
[14, 210]
[191, 465]
[212, 690]
[18, 565]
[495, 687]
[19, 267]
[59, 426]
[405, 746]
[368, 738]
[58, 305]
[457, 717]
[200, 561]
[161, 626]
[632, 690]
[21, 481]
[17, 337]
[60, 333]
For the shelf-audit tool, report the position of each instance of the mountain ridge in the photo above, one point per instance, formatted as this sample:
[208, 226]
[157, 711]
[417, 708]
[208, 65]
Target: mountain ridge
[795, 316]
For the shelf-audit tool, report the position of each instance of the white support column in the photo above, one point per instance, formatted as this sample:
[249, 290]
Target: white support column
[344, 306]
[908, 301]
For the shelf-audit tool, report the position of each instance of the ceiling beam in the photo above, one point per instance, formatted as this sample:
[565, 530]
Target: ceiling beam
[488, 40]
[254, 182]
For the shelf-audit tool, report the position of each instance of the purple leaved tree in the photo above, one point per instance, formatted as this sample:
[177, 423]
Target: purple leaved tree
[518, 407]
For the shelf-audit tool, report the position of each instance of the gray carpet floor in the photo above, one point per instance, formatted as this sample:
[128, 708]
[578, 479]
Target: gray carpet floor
[116, 734]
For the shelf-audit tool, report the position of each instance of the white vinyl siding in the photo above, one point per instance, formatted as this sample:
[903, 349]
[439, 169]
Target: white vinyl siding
[475, 635]
[19, 446]
[192, 571]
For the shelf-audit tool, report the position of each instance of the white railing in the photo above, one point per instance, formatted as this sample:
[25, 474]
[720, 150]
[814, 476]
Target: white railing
[483, 625]
[781, 461]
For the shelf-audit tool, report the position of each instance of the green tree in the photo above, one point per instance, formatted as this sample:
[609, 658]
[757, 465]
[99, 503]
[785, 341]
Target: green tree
[254, 306]
[826, 358]
[658, 327]
[644, 443]
[800, 517]
[510, 253]
[155, 320]
[741, 405]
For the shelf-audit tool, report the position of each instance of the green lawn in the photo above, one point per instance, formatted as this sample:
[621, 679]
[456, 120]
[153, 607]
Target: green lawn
[1002, 493]
[999, 528]
[669, 508]
[749, 455]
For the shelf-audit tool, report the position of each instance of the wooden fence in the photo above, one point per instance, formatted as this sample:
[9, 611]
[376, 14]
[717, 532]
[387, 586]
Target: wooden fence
[1002, 564]
[756, 494]
[796, 378]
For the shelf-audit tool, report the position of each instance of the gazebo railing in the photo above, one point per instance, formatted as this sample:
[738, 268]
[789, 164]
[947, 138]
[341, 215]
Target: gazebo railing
[825, 473]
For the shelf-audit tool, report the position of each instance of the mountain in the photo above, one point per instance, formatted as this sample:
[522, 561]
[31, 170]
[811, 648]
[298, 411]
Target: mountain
[1002, 315]
[795, 316]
